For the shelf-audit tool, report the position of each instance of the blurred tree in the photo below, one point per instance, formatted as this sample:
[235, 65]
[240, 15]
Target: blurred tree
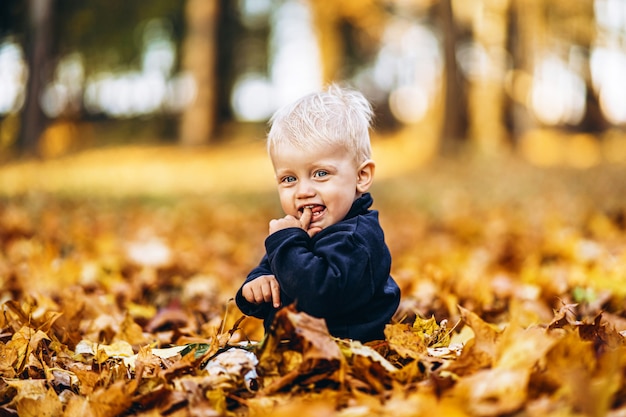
[38, 47]
[199, 59]
[524, 30]
[573, 26]
[454, 127]
[542, 28]
[486, 97]
[238, 48]
[332, 18]
[13, 22]
[327, 26]
[106, 32]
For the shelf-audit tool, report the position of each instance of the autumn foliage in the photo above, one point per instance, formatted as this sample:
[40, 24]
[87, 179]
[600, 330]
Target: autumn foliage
[514, 295]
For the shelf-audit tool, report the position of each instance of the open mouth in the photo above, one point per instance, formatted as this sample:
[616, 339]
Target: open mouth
[316, 210]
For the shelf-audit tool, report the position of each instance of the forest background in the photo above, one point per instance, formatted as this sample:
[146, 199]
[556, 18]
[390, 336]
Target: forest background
[135, 194]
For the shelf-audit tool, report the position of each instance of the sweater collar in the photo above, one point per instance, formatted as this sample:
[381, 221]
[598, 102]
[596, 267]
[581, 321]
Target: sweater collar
[360, 206]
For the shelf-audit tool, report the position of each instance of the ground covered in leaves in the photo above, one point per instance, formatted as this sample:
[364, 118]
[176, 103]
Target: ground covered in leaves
[514, 297]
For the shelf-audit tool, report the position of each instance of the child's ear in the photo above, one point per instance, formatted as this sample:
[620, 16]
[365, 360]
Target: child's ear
[365, 176]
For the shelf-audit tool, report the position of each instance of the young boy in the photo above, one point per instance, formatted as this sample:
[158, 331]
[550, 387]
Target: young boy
[328, 254]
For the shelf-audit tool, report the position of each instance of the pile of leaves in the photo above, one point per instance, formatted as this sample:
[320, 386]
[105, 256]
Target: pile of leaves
[514, 299]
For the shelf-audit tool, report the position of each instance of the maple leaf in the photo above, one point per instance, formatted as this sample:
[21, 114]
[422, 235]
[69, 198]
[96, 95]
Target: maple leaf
[404, 341]
[434, 335]
[480, 351]
[25, 342]
[602, 334]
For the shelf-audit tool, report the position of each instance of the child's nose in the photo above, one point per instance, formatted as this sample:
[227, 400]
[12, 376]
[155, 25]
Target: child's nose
[305, 189]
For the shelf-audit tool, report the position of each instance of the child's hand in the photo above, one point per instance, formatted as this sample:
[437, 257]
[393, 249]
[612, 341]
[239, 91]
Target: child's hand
[290, 221]
[263, 289]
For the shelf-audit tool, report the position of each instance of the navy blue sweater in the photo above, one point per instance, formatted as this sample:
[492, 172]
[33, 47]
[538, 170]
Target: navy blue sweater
[340, 275]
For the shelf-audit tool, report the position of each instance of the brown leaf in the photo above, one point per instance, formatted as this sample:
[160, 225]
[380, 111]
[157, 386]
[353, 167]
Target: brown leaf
[131, 332]
[602, 334]
[112, 400]
[307, 335]
[25, 342]
[168, 318]
[564, 316]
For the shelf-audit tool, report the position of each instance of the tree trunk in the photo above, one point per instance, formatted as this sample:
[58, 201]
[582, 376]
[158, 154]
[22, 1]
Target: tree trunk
[199, 52]
[486, 97]
[38, 52]
[527, 44]
[594, 120]
[455, 101]
[326, 17]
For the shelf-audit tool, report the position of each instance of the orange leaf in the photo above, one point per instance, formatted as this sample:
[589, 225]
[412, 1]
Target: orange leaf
[479, 352]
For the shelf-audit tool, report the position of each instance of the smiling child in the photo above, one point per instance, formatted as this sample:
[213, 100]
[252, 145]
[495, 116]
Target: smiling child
[328, 253]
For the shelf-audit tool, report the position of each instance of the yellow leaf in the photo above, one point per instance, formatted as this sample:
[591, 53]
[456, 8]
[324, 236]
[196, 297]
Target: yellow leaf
[48, 405]
[166, 353]
[523, 348]
[480, 351]
[217, 399]
[28, 388]
[25, 341]
[433, 334]
[78, 407]
[131, 332]
[493, 392]
[112, 400]
[117, 350]
[404, 341]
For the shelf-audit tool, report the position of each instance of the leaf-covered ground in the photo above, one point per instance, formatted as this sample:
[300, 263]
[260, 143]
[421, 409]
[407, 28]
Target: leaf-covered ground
[514, 296]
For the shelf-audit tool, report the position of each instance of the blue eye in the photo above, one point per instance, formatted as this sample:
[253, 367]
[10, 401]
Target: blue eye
[288, 178]
[320, 174]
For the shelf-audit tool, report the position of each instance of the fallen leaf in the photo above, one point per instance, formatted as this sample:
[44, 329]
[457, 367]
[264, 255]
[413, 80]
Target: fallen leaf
[299, 332]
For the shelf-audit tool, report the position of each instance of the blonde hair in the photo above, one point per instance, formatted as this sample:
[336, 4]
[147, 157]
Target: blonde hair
[334, 116]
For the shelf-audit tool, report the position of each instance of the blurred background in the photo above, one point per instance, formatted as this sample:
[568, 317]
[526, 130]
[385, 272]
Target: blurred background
[543, 78]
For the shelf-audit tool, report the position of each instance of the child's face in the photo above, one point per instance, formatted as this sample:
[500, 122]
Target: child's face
[326, 179]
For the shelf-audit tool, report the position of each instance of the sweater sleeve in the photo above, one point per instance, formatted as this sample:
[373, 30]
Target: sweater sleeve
[327, 275]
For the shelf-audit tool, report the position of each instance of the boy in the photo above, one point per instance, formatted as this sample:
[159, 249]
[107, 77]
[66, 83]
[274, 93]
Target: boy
[328, 254]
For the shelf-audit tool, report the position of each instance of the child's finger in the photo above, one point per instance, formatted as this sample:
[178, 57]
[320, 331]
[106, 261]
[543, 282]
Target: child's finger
[275, 293]
[266, 290]
[313, 231]
[305, 219]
